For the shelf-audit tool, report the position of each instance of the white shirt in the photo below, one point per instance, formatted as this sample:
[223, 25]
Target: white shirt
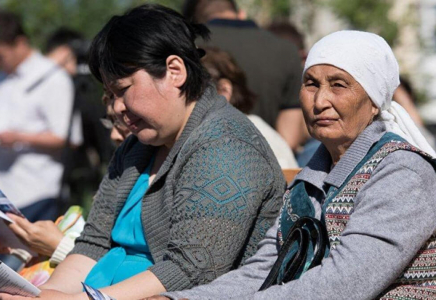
[281, 149]
[28, 175]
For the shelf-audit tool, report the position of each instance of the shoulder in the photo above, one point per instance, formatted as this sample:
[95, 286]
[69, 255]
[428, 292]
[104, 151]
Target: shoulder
[408, 161]
[405, 178]
[228, 122]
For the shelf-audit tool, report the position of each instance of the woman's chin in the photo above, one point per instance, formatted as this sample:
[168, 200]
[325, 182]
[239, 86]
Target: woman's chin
[148, 138]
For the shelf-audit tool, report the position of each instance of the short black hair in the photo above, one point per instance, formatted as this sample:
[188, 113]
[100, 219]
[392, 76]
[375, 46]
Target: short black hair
[10, 27]
[199, 11]
[143, 38]
[73, 39]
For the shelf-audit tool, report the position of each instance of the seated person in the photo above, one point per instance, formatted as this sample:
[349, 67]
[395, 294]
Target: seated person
[190, 194]
[372, 183]
[119, 132]
[44, 237]
[231, 83]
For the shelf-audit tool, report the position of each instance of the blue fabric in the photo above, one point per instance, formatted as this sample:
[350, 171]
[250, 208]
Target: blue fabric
[132, 255]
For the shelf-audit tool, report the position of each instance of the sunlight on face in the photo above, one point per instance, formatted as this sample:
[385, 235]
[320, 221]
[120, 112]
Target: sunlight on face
[335, 106]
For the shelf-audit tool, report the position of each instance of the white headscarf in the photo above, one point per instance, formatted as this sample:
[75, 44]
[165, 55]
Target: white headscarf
[369, 59]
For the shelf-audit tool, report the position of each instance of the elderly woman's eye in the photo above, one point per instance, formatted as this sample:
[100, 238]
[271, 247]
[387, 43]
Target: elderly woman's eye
[309, 83]
[339, 85]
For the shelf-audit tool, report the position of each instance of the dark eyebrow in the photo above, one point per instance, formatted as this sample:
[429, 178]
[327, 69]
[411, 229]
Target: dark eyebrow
[308, 76]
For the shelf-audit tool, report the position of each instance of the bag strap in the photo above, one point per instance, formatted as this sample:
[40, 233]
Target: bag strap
[306, 231]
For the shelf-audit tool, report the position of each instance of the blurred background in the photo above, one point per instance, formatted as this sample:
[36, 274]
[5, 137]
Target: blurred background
[409, 26]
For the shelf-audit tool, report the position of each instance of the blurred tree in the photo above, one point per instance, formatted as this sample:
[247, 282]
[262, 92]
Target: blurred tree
[42, 17]
[371, 15]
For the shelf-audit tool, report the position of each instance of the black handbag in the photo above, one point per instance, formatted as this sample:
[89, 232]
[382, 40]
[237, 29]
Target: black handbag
[311, 238]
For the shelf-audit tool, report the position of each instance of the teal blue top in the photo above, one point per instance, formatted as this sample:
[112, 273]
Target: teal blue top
[132, 255]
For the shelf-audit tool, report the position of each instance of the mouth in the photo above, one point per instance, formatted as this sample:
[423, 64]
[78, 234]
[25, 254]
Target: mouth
[324, 121]
[132, 124]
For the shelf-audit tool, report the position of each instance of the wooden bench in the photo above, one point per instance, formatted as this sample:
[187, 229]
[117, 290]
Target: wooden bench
[290, 174]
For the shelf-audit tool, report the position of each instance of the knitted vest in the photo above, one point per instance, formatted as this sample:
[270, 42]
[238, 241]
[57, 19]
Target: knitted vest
[418, 280]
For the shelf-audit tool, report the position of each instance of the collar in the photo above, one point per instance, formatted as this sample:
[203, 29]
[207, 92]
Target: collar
[318, 172]
[233, 23]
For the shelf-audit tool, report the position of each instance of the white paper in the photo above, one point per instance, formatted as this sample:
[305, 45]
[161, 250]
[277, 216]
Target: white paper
[13, 284]
[7, 237]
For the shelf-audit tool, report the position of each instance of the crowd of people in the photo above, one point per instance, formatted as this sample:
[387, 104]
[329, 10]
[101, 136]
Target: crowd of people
[206, 111]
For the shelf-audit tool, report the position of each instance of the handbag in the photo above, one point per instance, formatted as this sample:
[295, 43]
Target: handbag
[304, 248]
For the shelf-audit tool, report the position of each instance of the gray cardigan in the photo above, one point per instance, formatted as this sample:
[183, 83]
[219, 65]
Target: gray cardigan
[212, 201]
[394, 215]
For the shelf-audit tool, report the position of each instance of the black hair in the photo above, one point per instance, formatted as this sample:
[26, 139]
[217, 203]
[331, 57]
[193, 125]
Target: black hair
[200, 11]
[10, 27]
[143, 38]
[70, 38]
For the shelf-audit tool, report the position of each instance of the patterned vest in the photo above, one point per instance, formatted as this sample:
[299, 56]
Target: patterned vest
[418, 280]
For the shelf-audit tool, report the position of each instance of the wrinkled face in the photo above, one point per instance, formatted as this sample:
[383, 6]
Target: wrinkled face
[335, 106]
[150, 108]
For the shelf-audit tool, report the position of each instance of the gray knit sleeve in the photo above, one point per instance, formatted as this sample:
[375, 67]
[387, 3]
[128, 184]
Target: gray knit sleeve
[219, 193]
[95, 239]
[244, 281]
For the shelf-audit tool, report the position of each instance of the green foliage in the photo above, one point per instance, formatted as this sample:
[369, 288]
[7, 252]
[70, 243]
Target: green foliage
[42, 17]
[367, 15]
[280, 8]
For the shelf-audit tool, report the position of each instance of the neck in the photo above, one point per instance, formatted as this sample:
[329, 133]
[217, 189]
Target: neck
[189, 109]
[227, 14]
[336, 151]
[22, 55]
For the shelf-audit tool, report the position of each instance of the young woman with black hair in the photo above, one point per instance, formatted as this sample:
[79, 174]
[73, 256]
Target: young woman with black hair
[191, 192]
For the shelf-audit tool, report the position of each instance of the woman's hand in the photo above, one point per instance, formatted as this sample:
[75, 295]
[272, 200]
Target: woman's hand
[46, 295]
[56, 295]
[43, 236]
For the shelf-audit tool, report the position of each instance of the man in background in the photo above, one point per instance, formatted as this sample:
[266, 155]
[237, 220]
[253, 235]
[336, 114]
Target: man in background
[272, 65]
[83, 164]
[35, 111]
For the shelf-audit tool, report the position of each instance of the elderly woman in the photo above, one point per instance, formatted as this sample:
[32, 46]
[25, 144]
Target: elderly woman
[370, 183]
[191, 192]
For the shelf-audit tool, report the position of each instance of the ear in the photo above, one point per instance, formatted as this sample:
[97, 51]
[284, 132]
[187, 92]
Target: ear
[176, 70]
[225, 88]
[375, 110]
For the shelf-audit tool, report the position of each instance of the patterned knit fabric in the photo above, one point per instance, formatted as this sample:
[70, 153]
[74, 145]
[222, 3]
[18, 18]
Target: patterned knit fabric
[212, 201]
[418, 281]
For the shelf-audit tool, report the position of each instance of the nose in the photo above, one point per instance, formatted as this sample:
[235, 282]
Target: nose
[322, 99]
[119, 106]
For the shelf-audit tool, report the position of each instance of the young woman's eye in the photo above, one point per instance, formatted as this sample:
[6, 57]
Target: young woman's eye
[123, 89]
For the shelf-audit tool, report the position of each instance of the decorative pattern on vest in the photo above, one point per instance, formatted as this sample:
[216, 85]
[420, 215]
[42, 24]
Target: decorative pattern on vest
[418, 281]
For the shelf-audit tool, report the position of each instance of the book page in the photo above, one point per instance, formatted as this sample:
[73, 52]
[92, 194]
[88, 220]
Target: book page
[14, 284]
[7, 237]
